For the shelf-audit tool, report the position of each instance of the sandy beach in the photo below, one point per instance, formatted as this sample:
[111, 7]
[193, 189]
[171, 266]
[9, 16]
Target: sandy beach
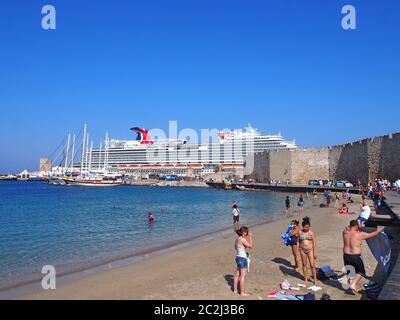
[205, 271]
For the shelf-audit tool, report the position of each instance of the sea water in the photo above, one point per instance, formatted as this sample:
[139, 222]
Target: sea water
[73, 228]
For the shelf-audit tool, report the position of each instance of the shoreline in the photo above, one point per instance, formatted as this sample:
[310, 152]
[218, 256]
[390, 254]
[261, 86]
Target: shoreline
[33, 285]
[205, 270]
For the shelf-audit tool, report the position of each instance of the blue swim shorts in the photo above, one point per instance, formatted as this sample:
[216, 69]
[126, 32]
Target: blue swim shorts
[241, 262]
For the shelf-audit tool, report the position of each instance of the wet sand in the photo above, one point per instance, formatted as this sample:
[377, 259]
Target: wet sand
[205, 271]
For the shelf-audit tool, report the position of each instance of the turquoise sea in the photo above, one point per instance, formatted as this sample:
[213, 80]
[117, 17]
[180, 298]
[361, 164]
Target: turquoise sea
[74, 228]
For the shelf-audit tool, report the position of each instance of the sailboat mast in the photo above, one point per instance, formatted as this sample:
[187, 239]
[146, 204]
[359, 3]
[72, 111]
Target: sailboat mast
[87, 152]
[83, 146]
[73, 152]
[106, 153]
[90, 156]
[101, 145]
[66, 156]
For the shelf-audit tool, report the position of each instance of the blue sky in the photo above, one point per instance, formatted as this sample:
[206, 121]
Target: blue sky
[284, 66]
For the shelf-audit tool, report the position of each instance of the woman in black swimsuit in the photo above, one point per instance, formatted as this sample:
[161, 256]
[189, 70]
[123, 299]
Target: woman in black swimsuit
[294, 239]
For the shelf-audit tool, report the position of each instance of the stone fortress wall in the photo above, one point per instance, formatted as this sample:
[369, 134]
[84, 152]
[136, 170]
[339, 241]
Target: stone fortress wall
[367, 159]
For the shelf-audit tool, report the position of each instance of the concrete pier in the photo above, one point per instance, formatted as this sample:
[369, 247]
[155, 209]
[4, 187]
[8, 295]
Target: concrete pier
[278, 187]
[391, 289]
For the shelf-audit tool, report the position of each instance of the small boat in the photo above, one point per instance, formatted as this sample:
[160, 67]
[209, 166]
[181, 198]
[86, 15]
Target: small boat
[240, 188]
[23, 176]
[93, 182]
[8, 177]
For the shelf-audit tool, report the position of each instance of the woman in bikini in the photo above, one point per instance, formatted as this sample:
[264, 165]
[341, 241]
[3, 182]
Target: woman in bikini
[308, 249]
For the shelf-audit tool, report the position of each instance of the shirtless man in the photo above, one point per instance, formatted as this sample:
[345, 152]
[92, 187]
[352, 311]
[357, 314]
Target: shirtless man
[352, 239]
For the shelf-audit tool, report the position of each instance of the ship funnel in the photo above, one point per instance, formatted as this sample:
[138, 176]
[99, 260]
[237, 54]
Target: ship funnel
[142, 135]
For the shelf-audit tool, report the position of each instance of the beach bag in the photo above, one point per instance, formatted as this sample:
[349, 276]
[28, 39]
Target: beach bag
[287, 239]
[325, 296]
[325, 273]
[372, 290]
[308, 296]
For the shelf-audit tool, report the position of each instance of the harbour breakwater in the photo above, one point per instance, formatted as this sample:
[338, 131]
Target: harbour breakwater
[363, 160]
[157, 183]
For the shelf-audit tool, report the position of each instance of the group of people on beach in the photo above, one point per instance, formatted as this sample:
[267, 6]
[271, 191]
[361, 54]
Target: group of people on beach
[304, 248]
[243, 241]
[303, 243]
[300, 204]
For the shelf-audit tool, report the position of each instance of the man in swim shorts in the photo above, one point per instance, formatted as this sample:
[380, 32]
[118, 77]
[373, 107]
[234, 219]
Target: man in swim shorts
[352, 239]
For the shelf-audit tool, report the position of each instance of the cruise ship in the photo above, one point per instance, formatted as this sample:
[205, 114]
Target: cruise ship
[174, 156]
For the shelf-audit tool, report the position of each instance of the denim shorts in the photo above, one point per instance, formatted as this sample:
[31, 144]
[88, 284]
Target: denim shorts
[241, 262]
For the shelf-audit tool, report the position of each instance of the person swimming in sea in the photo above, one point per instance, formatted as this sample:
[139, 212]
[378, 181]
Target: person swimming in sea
[150, 217]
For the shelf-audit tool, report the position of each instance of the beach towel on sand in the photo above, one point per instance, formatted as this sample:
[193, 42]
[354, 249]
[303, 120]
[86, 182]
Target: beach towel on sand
[280, 295]
[380, 248]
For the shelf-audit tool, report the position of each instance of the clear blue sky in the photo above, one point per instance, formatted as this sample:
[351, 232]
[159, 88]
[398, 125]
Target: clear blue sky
[284, 66]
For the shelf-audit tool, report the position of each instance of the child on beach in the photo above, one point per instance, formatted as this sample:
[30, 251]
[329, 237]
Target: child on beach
[235, 213]
[336, 200]
[243, 242]
[344, 209]
[300, 204]
[364, 215]
[308, 249]
[287, 205]
[349, 198]
[328, 200]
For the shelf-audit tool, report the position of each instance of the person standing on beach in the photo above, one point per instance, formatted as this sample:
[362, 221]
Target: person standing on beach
[287, 205]
[307, 245]
[397, 185]
[243, 242]
[337, 199]
[235, 213]
[328, 199]
[300, 204]
[352, 240]
[294, 239]
[315, 195]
